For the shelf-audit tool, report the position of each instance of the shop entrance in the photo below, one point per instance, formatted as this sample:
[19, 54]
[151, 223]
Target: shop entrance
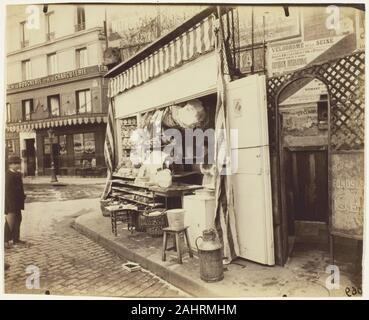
[303, 134]
[306, 186]
[30, 157]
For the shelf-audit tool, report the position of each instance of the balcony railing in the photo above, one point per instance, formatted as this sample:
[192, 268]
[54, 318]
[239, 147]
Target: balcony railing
[79, 27]
[50, 36]
[24, 44]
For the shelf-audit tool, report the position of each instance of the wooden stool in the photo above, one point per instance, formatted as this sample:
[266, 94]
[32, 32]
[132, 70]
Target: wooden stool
[176, 232]
[127, 213]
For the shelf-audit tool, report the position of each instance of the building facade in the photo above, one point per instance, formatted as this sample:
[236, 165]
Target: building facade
[56, 96]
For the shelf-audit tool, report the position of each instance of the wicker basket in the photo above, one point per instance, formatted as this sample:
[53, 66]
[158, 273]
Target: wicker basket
[154, 224]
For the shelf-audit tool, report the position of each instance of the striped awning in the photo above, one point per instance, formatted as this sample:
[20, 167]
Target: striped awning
[189, 45]
[54, 123]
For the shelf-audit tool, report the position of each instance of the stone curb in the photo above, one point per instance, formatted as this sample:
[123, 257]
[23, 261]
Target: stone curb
[174, 277]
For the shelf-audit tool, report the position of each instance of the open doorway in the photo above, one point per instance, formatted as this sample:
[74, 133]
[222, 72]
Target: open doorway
[303, 136]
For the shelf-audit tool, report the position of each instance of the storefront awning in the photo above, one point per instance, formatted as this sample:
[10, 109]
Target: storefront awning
[57, 122]
[187, 46]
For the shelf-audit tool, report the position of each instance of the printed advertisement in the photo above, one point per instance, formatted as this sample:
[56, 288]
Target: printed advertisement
[291, 55]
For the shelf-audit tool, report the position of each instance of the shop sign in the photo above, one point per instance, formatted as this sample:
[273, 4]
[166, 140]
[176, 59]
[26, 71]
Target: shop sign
[294, 54]
[317, 37]
[299, 119]
[311, 92]
[56, 77]
[348, 193]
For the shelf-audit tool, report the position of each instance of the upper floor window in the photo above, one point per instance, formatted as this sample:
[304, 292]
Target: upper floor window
[53, 105]
[84, 101]
[50, 29]
[81, 20]
[52, 63]
[26, 70]
[24, 35]
[27, 109]
[81, 57]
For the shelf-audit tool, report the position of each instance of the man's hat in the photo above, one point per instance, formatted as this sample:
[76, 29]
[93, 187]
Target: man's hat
[14, 160]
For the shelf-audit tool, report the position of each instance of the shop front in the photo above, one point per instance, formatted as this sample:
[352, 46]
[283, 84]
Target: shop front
[175, 93]
[278, 165]
[73, 148]
[60, 117]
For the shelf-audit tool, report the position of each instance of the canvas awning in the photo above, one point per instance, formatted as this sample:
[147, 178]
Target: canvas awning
[186, 46]
[57, 122]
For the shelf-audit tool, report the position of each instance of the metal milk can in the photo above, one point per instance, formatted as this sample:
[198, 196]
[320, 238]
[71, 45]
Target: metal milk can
[211, 256]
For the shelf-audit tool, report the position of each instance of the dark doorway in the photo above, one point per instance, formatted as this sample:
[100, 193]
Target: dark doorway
[56, 156]
[306, 186]
[30, 157]
[303, 117]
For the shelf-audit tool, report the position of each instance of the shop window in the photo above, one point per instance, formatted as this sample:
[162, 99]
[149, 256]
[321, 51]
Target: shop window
[53, 105]
[81, 19]
[27, 109]
[50, 31]
[26, 70]
[52, 63]
[83, 101]
[84, 149]
[81, 58]
[24, 36]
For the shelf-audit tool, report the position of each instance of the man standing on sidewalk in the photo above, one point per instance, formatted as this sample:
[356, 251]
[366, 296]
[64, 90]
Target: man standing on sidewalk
[14, 199]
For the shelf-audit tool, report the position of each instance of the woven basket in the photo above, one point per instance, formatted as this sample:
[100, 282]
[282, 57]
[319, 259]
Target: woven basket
[154, 225]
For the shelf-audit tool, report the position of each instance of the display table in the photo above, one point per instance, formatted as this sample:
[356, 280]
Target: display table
[146, 195]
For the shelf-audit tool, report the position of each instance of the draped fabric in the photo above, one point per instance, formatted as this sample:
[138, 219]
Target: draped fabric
[224, 211]
[109, 148]
[194, 42]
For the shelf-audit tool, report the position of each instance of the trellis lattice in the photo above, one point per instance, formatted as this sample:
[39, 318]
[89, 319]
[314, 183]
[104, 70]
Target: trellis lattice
[344, 78]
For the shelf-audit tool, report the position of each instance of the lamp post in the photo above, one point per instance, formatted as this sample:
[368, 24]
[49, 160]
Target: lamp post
[53, 173]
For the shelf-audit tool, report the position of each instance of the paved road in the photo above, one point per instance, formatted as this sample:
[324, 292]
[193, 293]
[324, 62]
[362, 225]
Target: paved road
[45, 192]
[68, 262]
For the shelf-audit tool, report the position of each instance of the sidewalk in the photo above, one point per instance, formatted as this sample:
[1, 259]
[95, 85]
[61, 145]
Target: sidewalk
[303, 275]
[64, 180]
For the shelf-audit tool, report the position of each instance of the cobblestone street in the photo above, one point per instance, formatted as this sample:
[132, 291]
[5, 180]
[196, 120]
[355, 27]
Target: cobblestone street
[68, 262]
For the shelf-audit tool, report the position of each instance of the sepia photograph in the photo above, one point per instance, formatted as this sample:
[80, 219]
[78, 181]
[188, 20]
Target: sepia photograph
[183, 150]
